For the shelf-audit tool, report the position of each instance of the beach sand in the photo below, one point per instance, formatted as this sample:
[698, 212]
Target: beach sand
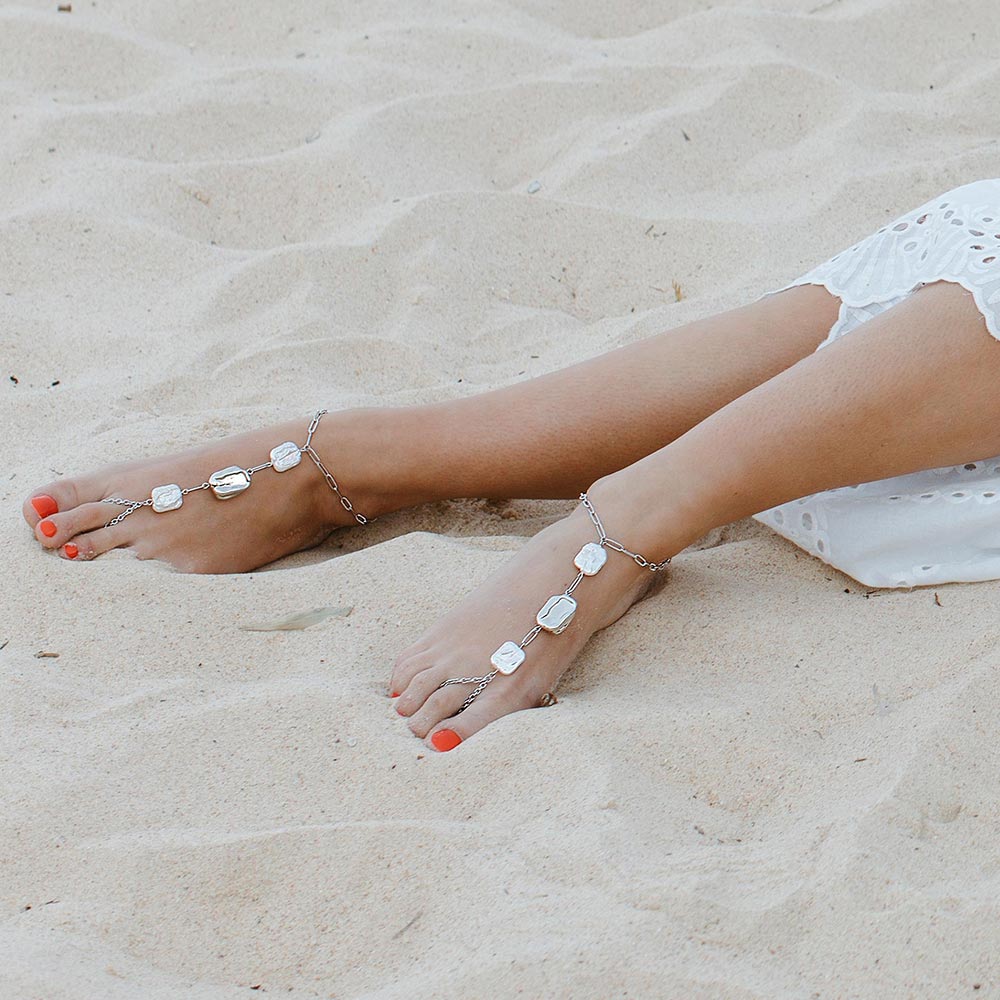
[764, 782]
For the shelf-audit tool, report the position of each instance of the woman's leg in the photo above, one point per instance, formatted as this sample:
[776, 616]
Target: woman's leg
[545, 437]
[553, 435]
[914, 388]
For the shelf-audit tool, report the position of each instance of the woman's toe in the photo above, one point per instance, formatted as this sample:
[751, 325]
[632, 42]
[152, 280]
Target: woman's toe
[55, 530]
[451, 731]
[442, 704]
[91, 544]
[419, 688]
[444, 739]
[60, 496]
[38, 506]
[403, 675]
[447, 734]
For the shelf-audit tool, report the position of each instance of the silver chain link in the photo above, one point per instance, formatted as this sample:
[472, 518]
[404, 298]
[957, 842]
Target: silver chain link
[330, 481]
[530, 637]
[475, 694]
[132, 506]
[464, 680]
[307, 448]
[617, 546]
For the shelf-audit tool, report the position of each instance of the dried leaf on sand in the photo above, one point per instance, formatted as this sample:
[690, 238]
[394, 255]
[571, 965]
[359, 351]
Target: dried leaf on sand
[300, 620]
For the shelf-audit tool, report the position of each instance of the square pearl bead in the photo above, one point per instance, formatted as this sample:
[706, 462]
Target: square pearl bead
[590, 558]
[166, 498]
[228, 482]
[557, 612]
[508, 657]
[286, 456]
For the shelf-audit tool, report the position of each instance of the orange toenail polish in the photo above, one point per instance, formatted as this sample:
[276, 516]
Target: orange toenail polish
[445, 739]
[48, 528]
[71, 550]
[395, 694]
[44, 505]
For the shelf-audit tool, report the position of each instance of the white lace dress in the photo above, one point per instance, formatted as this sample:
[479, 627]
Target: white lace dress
[941, 525]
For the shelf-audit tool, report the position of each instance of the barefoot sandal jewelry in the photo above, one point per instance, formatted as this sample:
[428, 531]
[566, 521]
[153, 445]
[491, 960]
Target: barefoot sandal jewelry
[557, 612]
[234, 479]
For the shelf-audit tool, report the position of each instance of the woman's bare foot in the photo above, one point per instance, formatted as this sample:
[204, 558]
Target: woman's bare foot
[279, 514]
[503, 608]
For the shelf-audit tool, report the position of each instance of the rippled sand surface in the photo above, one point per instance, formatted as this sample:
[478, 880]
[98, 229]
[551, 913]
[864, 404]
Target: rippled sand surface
[765, 782]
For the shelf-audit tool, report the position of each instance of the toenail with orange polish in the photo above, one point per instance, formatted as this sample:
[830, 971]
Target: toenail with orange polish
[48, 528]
[445, 739]
[44, 505]
[395, 694]
[71, 550]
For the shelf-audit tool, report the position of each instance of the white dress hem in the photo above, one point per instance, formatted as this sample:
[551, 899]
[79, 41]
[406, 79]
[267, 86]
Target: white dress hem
[939, 525]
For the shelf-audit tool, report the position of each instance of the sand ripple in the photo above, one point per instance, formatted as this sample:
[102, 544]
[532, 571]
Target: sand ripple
[762, 784]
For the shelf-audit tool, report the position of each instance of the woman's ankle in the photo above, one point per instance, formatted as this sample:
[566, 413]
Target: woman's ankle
[658, 523]
[369, 453]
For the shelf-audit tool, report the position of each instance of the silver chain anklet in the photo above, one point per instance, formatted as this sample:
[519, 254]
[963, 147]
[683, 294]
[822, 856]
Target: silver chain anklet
[558, 611]
[234, 479]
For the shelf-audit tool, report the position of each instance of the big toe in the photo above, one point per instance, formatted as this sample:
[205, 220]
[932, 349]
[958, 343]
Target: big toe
[58, 497]
[449, 733]
[57, 529]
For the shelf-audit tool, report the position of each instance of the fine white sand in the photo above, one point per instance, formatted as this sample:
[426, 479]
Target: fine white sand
[765, 782]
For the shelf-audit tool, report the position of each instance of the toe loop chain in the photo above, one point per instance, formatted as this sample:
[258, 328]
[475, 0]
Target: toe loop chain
[463, 680]
[131, 505]
[558, 611]
[233, 480]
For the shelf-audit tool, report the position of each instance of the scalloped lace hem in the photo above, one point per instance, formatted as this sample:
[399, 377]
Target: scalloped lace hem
[939, 525]
[954, 237]
[853, 311]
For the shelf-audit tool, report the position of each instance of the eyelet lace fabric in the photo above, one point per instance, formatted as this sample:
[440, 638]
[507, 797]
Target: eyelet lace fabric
[940, 525]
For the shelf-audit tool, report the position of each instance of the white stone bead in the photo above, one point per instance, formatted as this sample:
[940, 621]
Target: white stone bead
[167, 498]
[590, 558]
[228, 482]
[508, 657]
[286, 456]
[557, 612]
